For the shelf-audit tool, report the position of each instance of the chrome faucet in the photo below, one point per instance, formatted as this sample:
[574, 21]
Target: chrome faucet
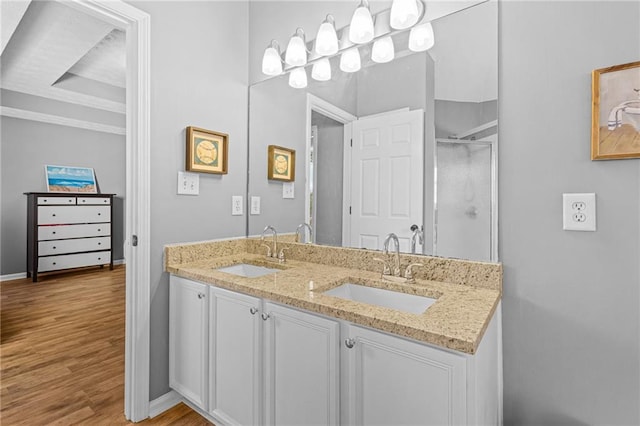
[271, 251]
[301, 228]
[385, 250]
[417, 234]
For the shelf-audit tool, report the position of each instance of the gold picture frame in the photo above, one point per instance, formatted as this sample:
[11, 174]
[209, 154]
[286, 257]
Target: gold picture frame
[281, 164]
[615, 112]
[207, 151]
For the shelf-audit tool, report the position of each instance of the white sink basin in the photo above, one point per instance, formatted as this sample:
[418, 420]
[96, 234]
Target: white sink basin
[379, 297]
[247, 270]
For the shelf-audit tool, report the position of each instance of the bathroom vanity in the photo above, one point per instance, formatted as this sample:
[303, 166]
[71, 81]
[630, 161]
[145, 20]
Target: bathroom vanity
[255, 341]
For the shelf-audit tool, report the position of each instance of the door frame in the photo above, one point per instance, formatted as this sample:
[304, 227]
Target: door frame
[136, 23]
[314, 103]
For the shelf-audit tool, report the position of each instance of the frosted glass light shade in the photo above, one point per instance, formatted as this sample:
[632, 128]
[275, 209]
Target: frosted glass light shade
[421, 38]
[321, 70]
[271, 62]
[383, 50]
[361, 28]
[404, 14]
[350, 60]
[296, 52]
[327, 39]
[298, 78]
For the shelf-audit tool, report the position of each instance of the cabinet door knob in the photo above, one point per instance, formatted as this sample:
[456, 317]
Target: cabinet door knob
[253, 310]
[265, 316]
[200, 295]
[349, 343]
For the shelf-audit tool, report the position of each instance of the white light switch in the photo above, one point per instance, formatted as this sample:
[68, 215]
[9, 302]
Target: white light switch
[579, 212]
[255, 205]
[188, 183]
[236, 205]
[287, 190]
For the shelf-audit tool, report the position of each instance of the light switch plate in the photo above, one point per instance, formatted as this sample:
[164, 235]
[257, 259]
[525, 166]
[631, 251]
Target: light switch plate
[236, 205]
[579, 212]
[188, 183]
[255, 205]
[287, 190]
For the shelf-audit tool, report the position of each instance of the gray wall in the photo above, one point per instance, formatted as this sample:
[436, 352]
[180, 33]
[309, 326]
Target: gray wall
[571, 299]
[26, 147]
[199, 63]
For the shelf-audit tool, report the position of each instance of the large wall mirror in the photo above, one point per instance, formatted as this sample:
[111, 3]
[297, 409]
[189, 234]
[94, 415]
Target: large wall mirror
[405, 147]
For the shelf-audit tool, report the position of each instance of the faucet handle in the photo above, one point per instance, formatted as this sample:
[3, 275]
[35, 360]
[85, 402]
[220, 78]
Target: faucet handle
[385, 266]
[268, 249]
[281, 258]
[408, 273]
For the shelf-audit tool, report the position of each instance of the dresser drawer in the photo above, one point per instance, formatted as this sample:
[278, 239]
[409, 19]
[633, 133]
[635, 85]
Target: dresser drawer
[53, 263]
[46, 248]
[94, 201]
[60, 232]
[56, 200]
[73, 214]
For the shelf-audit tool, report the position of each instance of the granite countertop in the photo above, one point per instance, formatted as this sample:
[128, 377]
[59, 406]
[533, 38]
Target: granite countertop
[457, 320]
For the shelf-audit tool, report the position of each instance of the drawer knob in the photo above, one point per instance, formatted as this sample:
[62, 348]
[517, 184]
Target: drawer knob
[98, 230]
[84, 201]
[54, 263]
[99, 258]
[98, 244]
[99, 214]
[54, 247]
[53, 232]
[53, 214]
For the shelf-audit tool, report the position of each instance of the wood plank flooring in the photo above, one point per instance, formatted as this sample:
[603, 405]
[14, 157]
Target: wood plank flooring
[62, 352]
[622, 140]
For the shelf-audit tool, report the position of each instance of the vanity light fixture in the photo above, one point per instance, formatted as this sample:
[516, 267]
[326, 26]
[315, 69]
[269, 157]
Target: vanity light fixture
[404, 14]
[298, 78]
[361, 28]
[271, 60]
[296, 54]
[327, 38]
[321, 70]
[383, 50]
[421, 38]
[350, 60]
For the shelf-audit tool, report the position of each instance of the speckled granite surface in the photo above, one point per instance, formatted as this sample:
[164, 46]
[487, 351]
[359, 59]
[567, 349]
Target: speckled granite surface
[467, 293]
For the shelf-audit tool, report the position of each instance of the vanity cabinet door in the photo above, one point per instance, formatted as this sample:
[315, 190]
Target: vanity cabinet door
[235, 354]
[301, 368]
[188, 339]
[395, 381]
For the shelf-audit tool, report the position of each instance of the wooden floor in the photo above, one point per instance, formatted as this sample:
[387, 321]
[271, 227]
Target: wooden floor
[62, 352]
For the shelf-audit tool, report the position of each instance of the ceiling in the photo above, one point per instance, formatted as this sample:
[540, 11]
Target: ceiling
[54, 51]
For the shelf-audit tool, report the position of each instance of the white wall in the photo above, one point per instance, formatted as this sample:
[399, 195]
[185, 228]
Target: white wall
[571, 299]
[199, 72]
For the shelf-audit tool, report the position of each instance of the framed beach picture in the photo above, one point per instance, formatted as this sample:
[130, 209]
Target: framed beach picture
[207, 151]
[615, 116]
[70, 179]
[281, 164]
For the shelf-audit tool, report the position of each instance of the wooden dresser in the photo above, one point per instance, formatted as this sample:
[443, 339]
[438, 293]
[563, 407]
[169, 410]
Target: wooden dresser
[66, 230]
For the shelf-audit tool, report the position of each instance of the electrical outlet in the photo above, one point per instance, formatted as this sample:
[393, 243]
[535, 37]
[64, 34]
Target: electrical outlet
[236, 205]
[287, 190]
[579, 212]
[188, 183]
[255, 205]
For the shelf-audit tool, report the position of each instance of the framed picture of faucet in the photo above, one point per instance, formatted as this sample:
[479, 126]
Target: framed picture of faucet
[615, 117]
[281, 164]
[207, 151]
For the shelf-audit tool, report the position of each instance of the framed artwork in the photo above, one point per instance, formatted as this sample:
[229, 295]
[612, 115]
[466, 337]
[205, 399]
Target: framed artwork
[615, 114]
[207, 151]
[70, 179]
[281, 164]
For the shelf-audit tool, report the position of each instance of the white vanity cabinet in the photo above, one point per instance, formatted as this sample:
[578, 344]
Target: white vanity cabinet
[234, 357]
[188, 337]
[302, 374]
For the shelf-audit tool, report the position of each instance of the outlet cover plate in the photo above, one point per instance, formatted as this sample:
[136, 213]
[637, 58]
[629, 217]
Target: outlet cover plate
[579, 212]
[188, 183]
[236, 205]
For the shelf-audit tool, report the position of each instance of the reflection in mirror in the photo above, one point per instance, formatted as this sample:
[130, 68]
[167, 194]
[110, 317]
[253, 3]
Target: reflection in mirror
[405, 147]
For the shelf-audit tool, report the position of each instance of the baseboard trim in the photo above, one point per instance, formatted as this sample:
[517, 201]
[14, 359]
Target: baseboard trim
[164, 403]
[119, 262]
[11, 277]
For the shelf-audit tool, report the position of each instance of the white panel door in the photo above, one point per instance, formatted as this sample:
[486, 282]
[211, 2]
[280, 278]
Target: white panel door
[235, 357]
[188, 339]
[393, 381]
[301, 368]
[387, 178]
